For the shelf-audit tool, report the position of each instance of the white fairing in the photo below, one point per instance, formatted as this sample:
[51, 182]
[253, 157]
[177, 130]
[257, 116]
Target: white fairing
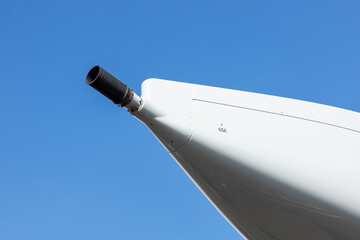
[276, 168]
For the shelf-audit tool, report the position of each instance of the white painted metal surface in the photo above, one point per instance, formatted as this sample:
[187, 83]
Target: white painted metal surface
[276, 168]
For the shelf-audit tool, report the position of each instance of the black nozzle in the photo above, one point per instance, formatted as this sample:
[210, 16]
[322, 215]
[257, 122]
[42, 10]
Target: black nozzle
[109, 86]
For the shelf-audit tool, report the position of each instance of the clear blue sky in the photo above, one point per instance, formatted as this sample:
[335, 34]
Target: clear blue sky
[74, 166]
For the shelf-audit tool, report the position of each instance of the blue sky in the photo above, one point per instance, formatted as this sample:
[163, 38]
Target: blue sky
[74, 166]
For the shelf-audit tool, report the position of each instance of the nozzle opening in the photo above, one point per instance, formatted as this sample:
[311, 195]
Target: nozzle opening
[93, 74]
